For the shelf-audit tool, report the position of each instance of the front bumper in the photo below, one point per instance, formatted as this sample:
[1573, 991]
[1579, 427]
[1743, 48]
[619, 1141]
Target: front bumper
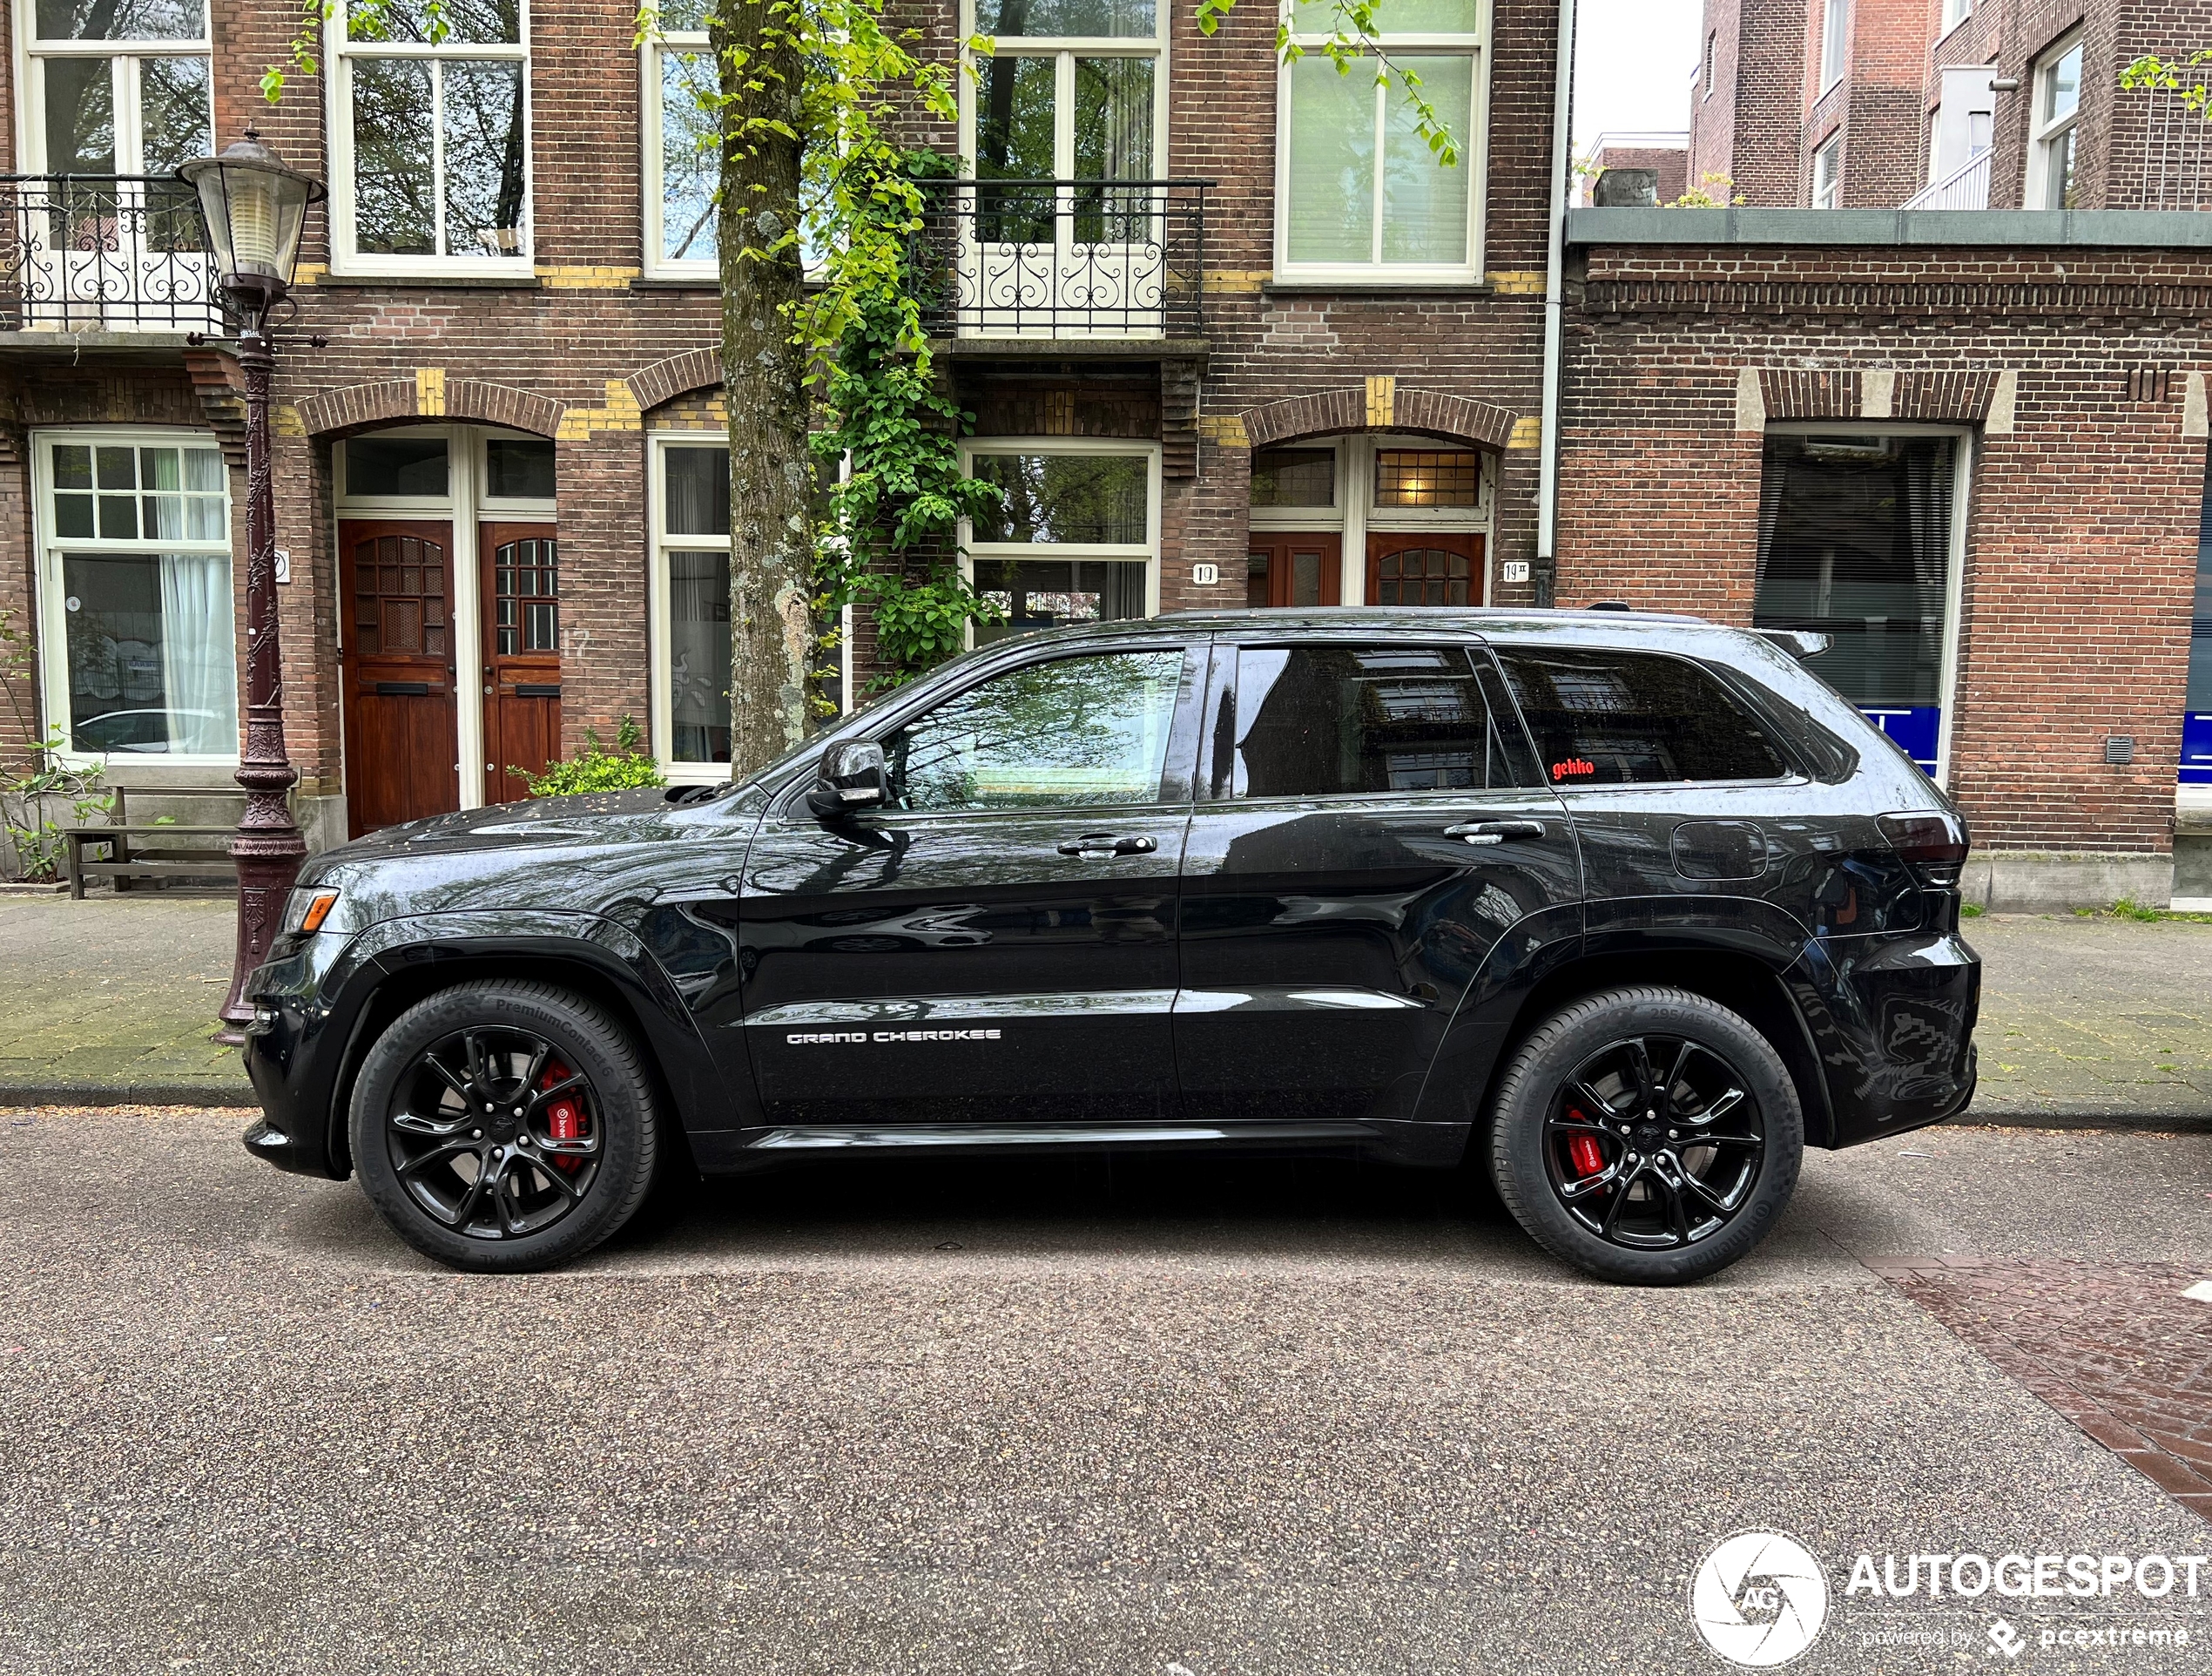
[294, 1050]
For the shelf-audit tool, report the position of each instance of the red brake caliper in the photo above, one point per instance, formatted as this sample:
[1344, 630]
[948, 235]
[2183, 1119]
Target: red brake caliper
[564, 1118]
[1582, 1149]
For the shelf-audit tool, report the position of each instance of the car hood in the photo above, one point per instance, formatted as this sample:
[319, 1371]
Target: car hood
[540, 821]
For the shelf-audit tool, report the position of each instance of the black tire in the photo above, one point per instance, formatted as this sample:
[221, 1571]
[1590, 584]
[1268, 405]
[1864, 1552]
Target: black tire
[1674, 1180]
[467, 1170]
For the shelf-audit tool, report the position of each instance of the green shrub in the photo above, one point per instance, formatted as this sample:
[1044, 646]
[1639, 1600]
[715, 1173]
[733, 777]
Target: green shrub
[2129, 908]
[31, 801]
[595, 768]
[1970, 910]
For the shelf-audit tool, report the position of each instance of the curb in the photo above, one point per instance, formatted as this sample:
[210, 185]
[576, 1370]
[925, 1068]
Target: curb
[2164, 1123]
[222, 1096]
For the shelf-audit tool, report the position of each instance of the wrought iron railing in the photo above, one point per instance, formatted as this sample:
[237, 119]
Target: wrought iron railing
[1063, 258]
[104, 253]
[1963, 189]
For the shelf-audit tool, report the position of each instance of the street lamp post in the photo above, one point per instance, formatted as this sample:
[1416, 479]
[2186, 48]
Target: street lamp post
[255, 209]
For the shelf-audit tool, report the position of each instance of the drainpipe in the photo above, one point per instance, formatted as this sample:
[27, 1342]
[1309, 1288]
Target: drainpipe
[1547, 573]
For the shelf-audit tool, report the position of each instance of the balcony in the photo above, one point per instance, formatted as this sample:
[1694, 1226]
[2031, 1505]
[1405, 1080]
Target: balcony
[104, 253]
[1055, 260]
[1963, 189]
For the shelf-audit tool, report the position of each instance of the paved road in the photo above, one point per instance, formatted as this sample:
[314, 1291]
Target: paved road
[1057, 1417]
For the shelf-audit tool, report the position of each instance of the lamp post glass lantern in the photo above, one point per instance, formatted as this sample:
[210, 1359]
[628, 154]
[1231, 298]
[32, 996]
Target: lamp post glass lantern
[256, 209]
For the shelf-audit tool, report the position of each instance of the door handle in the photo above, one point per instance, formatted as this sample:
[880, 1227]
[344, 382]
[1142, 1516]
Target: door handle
[1102, 843]
[1485, 833]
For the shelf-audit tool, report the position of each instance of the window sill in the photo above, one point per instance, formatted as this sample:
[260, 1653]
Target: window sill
[677, 282]
[419, 281]
[1471, 286]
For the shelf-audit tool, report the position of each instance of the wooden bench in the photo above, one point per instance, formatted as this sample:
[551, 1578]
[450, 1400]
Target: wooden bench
[126, 861]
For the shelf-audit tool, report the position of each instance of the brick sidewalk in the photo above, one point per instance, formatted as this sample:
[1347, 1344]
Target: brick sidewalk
[115, 998]
[2114, 1348]
[2096, 1020]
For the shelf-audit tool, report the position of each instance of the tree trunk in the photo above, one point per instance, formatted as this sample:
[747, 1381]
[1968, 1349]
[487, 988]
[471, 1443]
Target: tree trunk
[763, 374]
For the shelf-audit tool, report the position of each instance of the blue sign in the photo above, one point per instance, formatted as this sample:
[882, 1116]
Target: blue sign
[1915, 729]
[2196, 750]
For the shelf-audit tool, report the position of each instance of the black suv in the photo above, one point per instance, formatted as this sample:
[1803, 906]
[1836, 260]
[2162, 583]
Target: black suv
[1631, 908]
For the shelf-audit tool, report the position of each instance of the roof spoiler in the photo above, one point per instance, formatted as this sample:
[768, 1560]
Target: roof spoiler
[1800, 644]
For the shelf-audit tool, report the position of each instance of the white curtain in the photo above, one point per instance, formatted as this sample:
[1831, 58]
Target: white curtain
[197, 653]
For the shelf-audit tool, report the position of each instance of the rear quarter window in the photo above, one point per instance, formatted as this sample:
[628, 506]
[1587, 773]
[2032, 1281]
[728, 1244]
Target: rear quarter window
[1633, 718]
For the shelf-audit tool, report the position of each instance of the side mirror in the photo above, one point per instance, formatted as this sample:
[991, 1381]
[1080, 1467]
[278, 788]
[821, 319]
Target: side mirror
[851, 778]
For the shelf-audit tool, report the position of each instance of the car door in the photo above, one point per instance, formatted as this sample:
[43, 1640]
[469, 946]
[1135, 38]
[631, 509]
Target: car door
[1371, 822]
[998, 944]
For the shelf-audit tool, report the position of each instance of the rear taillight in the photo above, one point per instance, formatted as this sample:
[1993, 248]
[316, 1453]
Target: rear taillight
[1934, 846]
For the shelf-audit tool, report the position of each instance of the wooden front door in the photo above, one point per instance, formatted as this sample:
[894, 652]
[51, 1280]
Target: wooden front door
[1294, 569]
[522, 594]
[1425, 568]
[397, 671]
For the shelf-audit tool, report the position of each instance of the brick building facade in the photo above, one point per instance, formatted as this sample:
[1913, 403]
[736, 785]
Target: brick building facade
[1949, 104]
[1219, 351]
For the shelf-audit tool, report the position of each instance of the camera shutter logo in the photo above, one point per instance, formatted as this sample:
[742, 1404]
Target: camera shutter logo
[1759, 1599]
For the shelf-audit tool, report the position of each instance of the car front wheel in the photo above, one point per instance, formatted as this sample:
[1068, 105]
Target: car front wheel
[504, 1127]
[1648, 1136]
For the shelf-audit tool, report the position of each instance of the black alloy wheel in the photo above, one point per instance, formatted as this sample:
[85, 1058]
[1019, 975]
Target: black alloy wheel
[1655, 1143]
[495, 1137]
[1646, 1135]
[505, 1126]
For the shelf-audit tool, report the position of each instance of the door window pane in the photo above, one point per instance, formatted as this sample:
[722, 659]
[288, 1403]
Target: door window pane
[1014, 119]
[1077, 733]
[395, 465]
[1294, 476]
[1113, 118]
[1090, 499]
[699, 671]
[2196, 714]
[689, 161]
[1114, 19]
[1320, 722]
[518, 468]
[149, 645]
[1052, 593]
[468, 23]
[174, 113]
[1424, 477]
[1424, 575]
[1623, 718]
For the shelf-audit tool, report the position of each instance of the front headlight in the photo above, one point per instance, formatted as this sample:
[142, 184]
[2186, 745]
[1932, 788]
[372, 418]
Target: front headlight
[314, 907]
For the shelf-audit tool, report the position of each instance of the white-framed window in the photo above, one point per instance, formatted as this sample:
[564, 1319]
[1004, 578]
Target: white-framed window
[1075, 90]
[117, 88]
[2054, 132]
[1828, 174]
[1077, 539]
[1835, 41]
[1363, 491]
[139, 637]
[1358, 193]
[679, 143]
[1956, 12]
[429, 140]
[1712, 47]
[690, 602]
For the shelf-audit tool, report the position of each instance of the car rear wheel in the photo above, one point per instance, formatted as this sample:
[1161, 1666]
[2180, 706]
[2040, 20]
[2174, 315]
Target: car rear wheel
[1648, 1136]
[504, 1127]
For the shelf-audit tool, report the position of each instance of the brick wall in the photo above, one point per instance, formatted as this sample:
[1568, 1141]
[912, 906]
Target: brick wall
[2082, 534]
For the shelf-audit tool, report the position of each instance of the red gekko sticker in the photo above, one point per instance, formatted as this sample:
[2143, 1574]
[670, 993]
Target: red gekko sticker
[1573, 766]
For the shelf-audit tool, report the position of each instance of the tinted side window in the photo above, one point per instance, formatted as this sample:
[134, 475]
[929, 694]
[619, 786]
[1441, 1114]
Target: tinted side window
[1626, 718]
[1311, 721]
[1066, 735]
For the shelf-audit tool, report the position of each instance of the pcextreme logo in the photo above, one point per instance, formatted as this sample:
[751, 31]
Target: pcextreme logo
[1759, 1599]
